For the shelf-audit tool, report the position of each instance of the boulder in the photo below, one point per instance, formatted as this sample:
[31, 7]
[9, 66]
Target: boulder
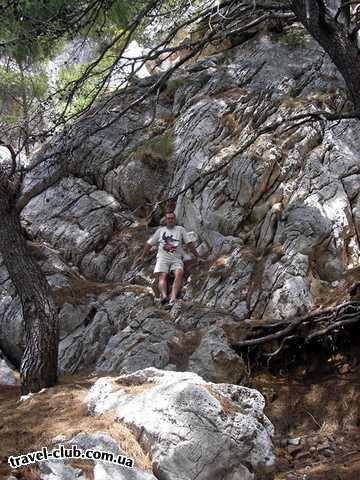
[59, 470]
[215, 360]
[105, 470]
[277, 212]
[191, 428]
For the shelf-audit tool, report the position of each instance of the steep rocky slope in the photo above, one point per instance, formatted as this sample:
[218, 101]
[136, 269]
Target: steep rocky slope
[276, 212]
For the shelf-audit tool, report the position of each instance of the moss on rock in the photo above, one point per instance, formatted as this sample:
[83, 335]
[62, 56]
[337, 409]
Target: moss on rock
[156, 151]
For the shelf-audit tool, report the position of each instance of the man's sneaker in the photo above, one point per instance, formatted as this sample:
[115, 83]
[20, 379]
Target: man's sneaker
[164, 301]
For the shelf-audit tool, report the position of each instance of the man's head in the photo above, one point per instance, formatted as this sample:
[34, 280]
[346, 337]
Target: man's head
[170, 219]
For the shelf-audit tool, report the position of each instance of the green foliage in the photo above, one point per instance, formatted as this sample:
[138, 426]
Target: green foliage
[32, 29]
[173, 85]
[156, 151]
[21, 93]
[14, 85]
[121, 12]
[80, 97]
[66, 77]
[28, 28]
[295, 91]
[293, 38]
[11, 119]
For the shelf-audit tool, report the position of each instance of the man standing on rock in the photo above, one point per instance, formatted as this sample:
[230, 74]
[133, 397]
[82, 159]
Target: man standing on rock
[170, 239]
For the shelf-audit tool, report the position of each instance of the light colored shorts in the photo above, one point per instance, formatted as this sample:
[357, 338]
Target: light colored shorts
[165, 266]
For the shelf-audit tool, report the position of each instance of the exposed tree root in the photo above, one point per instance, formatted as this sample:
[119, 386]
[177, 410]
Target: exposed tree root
[304, 329]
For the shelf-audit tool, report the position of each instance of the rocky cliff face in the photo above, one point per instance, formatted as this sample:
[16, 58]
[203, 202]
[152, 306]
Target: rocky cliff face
[277, 212]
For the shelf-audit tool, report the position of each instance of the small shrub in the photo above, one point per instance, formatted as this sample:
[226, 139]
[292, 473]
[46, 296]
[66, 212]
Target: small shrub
[231, 121]
[293, 38]
[173, 85]
[156, 151]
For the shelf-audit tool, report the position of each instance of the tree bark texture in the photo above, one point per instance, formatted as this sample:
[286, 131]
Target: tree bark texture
[39, 363]
[335, 38]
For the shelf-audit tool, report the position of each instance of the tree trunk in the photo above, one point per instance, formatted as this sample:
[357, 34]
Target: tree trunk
[334, 38]
[39, 363]
[25, 111]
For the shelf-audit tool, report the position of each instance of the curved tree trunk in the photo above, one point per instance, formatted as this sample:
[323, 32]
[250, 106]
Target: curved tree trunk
[333, 34]
[39, 363]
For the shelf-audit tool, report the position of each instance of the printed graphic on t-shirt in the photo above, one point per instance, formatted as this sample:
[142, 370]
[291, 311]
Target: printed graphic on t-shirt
[170, 243]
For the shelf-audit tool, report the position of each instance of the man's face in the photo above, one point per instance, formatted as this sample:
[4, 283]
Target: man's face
[170, 220]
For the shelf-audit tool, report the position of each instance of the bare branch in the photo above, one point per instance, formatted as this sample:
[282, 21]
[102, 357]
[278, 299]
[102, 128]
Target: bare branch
[300, 328]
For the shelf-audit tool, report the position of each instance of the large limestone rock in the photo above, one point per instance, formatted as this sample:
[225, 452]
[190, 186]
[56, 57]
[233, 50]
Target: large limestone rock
[279, 213]
[215, 360]
[59, 471]
[191, 428]
[104, 470]
[100, 469]
[73, 216]
[118, 327]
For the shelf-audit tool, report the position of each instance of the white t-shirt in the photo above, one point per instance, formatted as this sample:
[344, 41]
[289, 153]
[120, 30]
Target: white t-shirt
[170, 242]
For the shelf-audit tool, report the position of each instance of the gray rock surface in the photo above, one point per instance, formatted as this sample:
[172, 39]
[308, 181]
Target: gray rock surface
[7, 376]
[59, 471]
[101, 469]
[215, 360]
[105, 470]
[117, 331]
[185, 423]
[73, 216]
[279, 214]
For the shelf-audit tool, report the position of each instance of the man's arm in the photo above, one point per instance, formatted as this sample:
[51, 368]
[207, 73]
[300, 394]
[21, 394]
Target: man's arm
[149, 244]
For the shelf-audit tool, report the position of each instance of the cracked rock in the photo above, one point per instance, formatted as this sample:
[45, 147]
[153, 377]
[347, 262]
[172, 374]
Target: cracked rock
[191, 428]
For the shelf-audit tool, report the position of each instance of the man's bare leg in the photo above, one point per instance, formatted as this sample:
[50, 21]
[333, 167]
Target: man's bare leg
[178, 274]
[163, 285]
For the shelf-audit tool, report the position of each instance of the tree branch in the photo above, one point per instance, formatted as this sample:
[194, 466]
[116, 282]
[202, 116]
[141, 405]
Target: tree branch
[306, 328]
